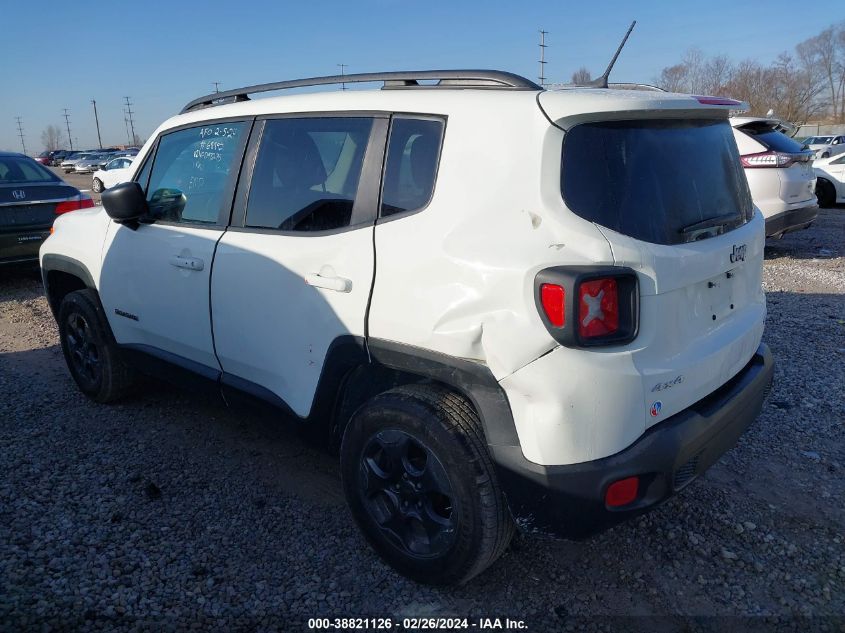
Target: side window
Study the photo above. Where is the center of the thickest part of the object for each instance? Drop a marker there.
(413, 153)
(190, 172)
(306, 173)
(143, 176)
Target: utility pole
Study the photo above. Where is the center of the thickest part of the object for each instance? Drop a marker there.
(343, 67)
(97, 121)
(131, 122)
(20, 133)
(126, 123)
(216, 86)
(67, 122)
(543, 62)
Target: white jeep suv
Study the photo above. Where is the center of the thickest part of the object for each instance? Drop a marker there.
(507, 307)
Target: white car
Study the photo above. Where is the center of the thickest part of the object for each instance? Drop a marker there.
(546, 314)
(830, 180)
(779, 172)
(826, 146)
(114, 172)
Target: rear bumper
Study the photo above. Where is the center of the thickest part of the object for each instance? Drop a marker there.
(21, 246)
(568, 500)
(791, 220)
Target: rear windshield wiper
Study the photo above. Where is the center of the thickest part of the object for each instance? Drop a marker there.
(719, 220)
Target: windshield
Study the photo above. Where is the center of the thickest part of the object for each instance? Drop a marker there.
(654, 179)
(819, 140)
(19, 169)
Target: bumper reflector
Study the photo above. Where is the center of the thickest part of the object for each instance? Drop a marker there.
(621, 493)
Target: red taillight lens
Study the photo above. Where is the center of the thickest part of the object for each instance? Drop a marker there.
(598, 312)
(621, 493)
(767, 159)
(553, 298)
(83, 202)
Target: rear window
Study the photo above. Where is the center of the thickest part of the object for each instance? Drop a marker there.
(655, 180)
(775, 141)
(19, 169)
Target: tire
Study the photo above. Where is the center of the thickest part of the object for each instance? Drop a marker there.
(826, 193)
(421, 486)
(90, 351)
(97, 185)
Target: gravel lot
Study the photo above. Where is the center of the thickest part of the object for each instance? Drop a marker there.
(167, 511)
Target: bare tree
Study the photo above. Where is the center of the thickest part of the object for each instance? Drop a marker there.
(581, 76)
(52, 138)
(825, 54)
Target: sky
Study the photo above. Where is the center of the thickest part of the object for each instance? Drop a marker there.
(162, 54)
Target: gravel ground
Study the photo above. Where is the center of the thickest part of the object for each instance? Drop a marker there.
(170, 512)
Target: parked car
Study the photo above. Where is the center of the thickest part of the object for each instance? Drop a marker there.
(44, 158)
(546, 315)
(57, 158)
(112, 173)
(830, 180)
(92, 163)
(826, 146)
(779, 172)
(70, 161)
(31, 197)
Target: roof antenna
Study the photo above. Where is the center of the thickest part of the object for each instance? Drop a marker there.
(601, 82)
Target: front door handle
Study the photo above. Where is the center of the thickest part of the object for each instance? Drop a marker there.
(190, 263)
(338, 284)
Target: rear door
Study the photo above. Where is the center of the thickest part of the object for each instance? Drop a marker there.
(294, 272)
(671, 199)
(155, 277)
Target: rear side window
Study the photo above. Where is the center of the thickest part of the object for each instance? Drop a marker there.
(412, 156)
(306, 173)
(191, 170)
(775, 141)
(654, 180)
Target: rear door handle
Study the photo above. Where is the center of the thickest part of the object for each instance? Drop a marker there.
(190, 263)
(338, 284)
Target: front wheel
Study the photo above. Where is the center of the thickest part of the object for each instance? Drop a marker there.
(421, 485)
(90, 351)
(97, 185)
(825, 193)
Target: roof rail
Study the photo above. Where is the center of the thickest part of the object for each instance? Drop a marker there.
(400, 79)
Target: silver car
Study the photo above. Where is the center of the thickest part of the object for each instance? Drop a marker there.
(69, 163)
(92, 163)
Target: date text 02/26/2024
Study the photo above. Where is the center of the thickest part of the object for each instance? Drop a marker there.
(416, 624)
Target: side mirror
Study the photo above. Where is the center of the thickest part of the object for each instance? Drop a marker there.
(125, 203)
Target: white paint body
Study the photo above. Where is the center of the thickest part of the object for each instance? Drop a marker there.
(115, 172)
(455, 278)
(833, 170)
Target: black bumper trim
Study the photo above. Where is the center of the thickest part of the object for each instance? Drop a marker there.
(568, 500)
(791, 220)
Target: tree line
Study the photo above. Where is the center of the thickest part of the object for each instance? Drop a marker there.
(807, 85)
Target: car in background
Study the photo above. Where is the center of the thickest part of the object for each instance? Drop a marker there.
(44, 158)
(826, 146)
(830, 180)
(70, 161)
(31, 197)
(114, 172)
(780, 174)
(91, 163)
(58, 156)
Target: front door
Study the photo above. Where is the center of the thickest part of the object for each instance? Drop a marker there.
(155, 277)
(294, 273)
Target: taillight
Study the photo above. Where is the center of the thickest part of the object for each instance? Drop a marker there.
(553, 300)
(598, 308)
(767, 159)
(621, 493)
(82, 202)
(587, 306)
(721, 101)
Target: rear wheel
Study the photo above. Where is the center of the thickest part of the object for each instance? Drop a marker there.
(826, 193)
(97, 185)
(421, 485)
(90, 351)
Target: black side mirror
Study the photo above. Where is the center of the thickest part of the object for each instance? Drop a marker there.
(125, 203)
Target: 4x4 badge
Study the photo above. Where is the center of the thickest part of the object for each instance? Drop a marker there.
(738, 254)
